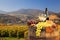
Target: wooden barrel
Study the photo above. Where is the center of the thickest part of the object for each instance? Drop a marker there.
(52, 36)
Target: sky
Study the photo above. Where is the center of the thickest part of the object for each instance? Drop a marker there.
(13, 5)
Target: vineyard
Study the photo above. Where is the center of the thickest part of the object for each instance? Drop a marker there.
(13, 30)
(16, 31)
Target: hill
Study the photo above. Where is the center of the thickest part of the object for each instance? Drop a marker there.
(2, 12)
(23, 15)
(30, 13)
(8, 19)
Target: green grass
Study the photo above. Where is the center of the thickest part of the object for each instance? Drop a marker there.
(11, 38)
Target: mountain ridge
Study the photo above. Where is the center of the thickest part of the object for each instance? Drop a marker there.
(24, 15)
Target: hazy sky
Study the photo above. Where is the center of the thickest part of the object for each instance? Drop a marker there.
(12, 5)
